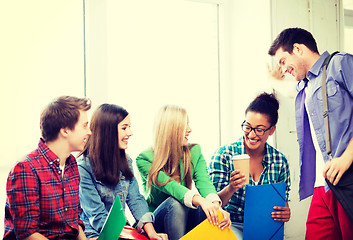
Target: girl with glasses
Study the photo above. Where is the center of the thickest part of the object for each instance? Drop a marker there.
(267, 165)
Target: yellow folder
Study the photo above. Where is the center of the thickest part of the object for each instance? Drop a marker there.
(208, 231)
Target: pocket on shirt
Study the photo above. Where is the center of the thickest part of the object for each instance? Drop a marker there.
(333, 95)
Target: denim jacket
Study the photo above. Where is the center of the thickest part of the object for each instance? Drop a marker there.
(97, 198)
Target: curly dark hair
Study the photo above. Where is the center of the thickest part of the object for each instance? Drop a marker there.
(265, 103)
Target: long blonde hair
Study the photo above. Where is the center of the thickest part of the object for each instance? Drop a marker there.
(169, 132)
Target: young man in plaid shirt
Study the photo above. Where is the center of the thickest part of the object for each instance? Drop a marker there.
(42, 190)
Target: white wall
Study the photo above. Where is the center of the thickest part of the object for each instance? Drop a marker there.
(250, 37)
(159, 57)
(41, 57)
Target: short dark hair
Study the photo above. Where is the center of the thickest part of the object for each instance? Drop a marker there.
(288, 37)
(61, 113)
(102, 147)
(267, 104)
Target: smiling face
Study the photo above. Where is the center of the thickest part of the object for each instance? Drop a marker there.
(187, 132)
(78, 136)
(252, 141)
(292, 63)
(124, 132)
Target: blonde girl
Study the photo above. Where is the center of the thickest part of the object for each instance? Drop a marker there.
(169, 169)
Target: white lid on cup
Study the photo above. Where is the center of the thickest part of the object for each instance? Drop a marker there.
(241, 157)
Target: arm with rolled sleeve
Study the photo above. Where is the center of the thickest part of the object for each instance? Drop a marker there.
(342, 72)
(347, 76)
(138, 205)
(174, 188)
(219, 170)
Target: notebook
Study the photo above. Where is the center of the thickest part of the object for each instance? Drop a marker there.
(207, 231)
(114, 223)
(259, 203)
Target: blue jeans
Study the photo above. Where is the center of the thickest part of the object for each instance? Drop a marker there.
(176, 219)
(237, 229)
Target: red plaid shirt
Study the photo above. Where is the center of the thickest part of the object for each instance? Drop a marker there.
(40, 200)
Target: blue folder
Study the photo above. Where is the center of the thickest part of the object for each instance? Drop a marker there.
(259, 203)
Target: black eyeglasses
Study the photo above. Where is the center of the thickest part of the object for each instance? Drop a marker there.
(258, 131)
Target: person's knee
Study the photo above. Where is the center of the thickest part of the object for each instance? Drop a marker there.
(173, 216)
(171, 209)
(176, 209)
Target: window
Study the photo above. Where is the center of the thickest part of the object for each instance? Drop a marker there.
(156, 52)
(143, 54)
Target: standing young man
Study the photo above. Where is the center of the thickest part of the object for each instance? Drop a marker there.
(297, 54)
(42, 190)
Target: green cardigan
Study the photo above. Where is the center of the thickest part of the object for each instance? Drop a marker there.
(173, 188)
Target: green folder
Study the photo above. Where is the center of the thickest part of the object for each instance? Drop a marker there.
(114, 223)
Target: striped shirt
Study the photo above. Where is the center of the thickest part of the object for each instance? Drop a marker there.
(275, 170)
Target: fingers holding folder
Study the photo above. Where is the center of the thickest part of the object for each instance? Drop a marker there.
(225, 221)
(281, 213)
(211, 210)
(207, 231)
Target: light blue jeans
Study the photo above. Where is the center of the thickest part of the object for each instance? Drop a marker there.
(176, 219)
(237, 229)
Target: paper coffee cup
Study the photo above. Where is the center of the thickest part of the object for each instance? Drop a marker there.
(241, 162)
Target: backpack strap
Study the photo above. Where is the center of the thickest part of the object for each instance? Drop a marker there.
(324, 99)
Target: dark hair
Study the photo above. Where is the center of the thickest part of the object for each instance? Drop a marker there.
(288, 37)
(61, 113)
(107, 159)
(265, 103)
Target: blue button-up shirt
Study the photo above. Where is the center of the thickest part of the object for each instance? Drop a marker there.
(97, 198)
(340, 110)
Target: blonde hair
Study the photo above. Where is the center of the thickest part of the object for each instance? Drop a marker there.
(169, 132)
